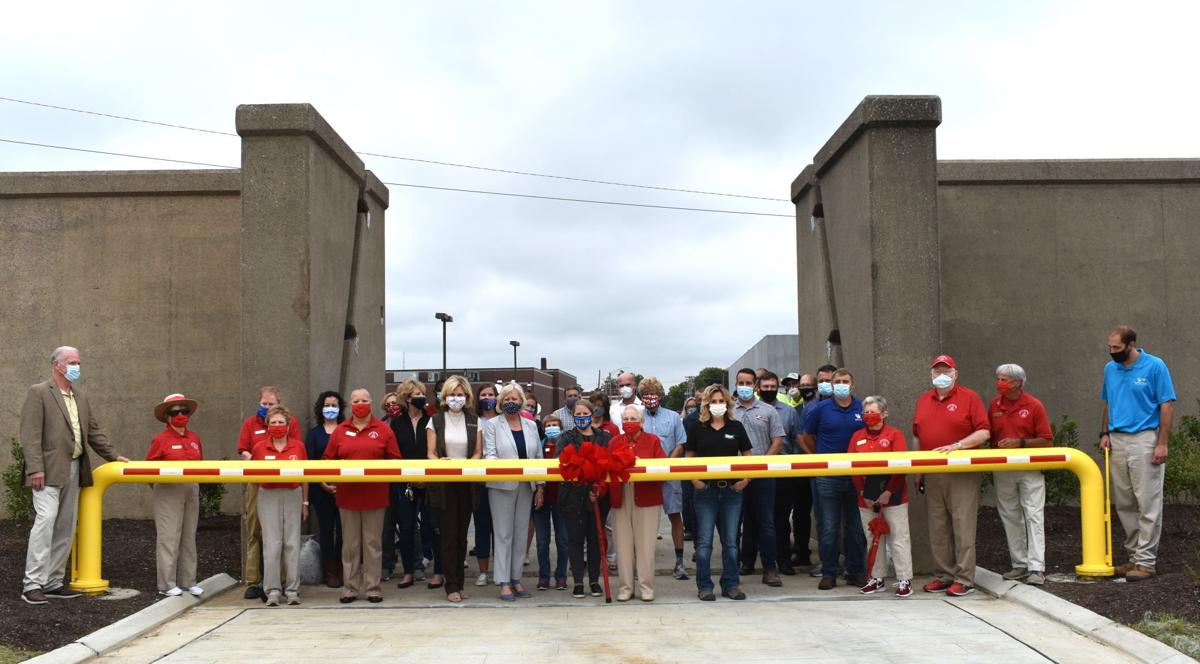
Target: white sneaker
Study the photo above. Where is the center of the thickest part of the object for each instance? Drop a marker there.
(196, 590)
(481, 580)
(173, 591)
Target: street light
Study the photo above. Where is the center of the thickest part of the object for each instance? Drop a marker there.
(514, 344)
(445, 318)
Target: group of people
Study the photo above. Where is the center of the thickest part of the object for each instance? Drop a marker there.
(363, 526)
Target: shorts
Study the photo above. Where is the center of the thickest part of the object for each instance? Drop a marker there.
(672, 497)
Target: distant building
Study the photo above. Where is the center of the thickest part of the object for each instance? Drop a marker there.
(546, 384)
(777, 352)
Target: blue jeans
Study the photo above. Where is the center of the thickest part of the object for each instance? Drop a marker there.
(836, 506)
(483, 524)
(758, 524)
(719, 507)
(543, 518)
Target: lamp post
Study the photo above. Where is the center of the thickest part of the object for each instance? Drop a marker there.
(445, 318)
(514, 344)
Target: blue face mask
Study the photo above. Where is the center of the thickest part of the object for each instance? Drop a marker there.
(331, 412)
(511, 408)
(553, 432)
(488, 403)
(942, 381)
(745, 392)
(841, 391)
(825, 389)
(72, 372)
(583, 421)
(262, 412)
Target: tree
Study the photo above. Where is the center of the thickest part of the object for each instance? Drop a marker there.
(711, 376)
(677, 395)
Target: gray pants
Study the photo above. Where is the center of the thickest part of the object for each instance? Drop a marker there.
(176, 512)
(510, 526)
(279, 514)
(56, 508)
(1137, 491)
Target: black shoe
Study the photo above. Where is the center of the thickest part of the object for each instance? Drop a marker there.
(254, 592)
(857, 580)
(577, 592)
(786, 569)
(798, 560)
(706, 595)
(827, 583)
(687, 536)
(346, 599)
(733, 593)
(61, 592)
(374, 599)
(746, 571)
(596, 591)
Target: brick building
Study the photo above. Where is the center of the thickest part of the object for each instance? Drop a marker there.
(547, 384)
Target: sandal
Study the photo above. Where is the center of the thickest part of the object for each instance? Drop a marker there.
(406, 582)
(520, 591)
(507, 596)
(454, 597)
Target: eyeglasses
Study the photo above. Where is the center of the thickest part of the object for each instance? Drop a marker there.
(179, 411)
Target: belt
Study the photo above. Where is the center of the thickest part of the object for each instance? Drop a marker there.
(721, 484)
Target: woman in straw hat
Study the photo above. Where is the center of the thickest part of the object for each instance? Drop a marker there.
(176, 506)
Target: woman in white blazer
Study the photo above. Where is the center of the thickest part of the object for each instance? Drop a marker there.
(510, 436)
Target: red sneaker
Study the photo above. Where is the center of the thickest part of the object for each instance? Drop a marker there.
(936, 586)
(959, 590)
(903, 589)
(873, 586)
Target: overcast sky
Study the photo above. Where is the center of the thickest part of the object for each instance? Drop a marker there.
(697, 95)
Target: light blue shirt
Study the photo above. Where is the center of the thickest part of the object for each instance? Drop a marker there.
(667, 425)
(1135, 393)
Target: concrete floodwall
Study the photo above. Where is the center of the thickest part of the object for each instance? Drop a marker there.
(209, 283)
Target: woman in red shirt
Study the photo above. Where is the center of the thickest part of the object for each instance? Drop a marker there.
(884, 495)
(176, 506)
(361, 505)
(636, 509)
(281, 508)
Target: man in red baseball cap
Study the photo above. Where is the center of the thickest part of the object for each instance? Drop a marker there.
(948, 418)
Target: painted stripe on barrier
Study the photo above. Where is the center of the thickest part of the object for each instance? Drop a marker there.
(838, 464)
(235, 472)
(655, 469)
(899, 463)
(178, 472)
(292, 472)
(715, 468)
(779, 466)
(353, 471)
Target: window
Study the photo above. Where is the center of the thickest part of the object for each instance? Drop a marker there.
(473, 376)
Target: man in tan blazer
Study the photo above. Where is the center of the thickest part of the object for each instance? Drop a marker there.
(57, 427)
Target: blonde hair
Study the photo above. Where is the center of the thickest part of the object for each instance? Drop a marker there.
(651, 385)
(280, 410)
(511, 387)
(453, 383)
(551, 418)
(406, 390)
(709, 391)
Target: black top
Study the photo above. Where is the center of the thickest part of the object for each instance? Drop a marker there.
(412, 441)
(315, 443)
(575, 438)
(705, 441)
(519, 439)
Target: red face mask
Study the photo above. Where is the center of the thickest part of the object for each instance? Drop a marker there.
(179, 421)
(1003, 386)
(277, 431)
(392, 409)
(873, 419)
(360, 410)
(632, 429)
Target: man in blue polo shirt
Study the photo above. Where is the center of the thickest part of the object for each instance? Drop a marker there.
(1139, 402)
(829, 427)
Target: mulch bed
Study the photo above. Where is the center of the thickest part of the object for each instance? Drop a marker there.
(1173, 590)
(128, 563)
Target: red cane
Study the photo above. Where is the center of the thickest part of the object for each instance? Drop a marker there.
(600, 535)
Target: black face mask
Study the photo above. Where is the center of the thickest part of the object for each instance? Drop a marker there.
(808, 393)
(768, 395)
(418, 402)
(1120, 357)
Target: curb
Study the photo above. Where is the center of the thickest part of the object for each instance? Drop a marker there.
(1086, 622)
(128, 628)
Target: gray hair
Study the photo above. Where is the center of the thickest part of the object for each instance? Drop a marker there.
(877, 400)
(58, 353)
(636, 411)
(1012, 371)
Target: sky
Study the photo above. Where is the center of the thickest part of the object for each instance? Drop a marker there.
(721, 97)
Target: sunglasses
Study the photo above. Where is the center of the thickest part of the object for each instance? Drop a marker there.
(179, 411)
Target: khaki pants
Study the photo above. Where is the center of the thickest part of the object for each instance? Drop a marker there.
(280, 516)
(636, 532)
(176, 512)
(896, 545)
(952, 500)
(55, 509)
(362, 550)
(1021, 502)
(251, 537)
(1137, 490)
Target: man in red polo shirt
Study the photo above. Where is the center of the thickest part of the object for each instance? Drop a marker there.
(1018, 421)
(948, 418)
(254, 431)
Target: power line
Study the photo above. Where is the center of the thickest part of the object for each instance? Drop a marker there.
(419, 186)
(611, 183)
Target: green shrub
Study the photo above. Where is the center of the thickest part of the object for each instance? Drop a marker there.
(18, 500)
(211, 496)
(1062, 487)
(1181, 481)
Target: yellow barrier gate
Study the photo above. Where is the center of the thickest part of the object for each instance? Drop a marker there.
(1097, 561)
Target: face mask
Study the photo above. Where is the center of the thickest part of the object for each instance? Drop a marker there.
(262, 412)
(717, 409)
(632, 429)
(769, 395)
(553, 432)
(650, 402)
(532, 410)
(1119, 358)
(583, 421)
(392, 409)
(807, 393)
(456, 403)
(825, 389)
(488, 403)
(1003, 386)
(511, 408)
(277, 430)
(361, 410)
(626, 391)
(942, 382)
(841, 391)
(691, 411)
(179, 421)
(571, 401)
(72, 372)
(793, 393)
(330, 412)
(745, 392)
(873, 419)
(417, 402)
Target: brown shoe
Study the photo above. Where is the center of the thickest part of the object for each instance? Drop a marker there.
(35, 596)
(827, 583)
(332, 574)
(771, 578)
(1122, 570)
(1139, 573)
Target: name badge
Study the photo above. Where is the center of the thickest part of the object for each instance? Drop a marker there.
(177, 447)
(260, 432)
(269, 457)
(729, 436)
(351, 434)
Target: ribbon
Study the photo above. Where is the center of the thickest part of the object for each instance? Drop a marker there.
(878, 527)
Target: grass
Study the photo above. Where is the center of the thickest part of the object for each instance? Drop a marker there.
(12, 655)
(1179, 633)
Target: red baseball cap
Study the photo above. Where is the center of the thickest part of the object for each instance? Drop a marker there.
(943, 359)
